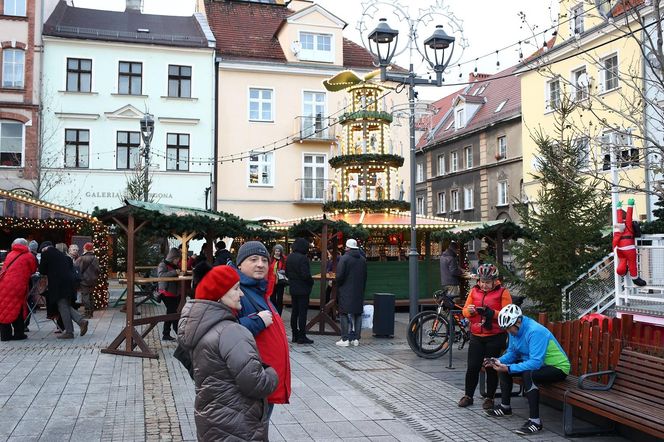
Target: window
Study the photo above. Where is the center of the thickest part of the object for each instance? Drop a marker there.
(454, 196)
(313, 184)
(316, 47)
(454, 162)
(177, 151)
(553, 94)
(420, 172)
(79, 75)
(179, 81)
(260, 104)
(13, 62)
(419, 205)
(11, 143)
(500, 106)
(460, 118)
(313, 118)
(127, 145)
(130, 78)
(468, 155)
(580, 84)
(502, 193)
(468, 202)
(583, 151)
(610, 73)
(576, 24)
(441, 165)
(261, 169)
(626, 154)
(441, 202)
(15, 7)
(77, 148)
(501, 150)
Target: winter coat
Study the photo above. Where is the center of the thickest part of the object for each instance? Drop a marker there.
(88, 266)
(297, 269)
(58, 267)
(495, 299)
(351, 281)
(449, 268)
(271, 341)
(221, 257)
(231, 383)
(164, 269)
(19, 266)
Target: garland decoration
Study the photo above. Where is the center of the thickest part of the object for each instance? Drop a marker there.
(507, 230)
(365, 115)
(308, 228)
(386, 159)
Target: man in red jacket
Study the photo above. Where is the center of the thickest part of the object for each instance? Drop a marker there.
(14, 280)
(624, 243)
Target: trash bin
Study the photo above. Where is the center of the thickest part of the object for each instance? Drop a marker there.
(383, 320)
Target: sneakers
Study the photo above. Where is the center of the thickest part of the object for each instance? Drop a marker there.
(488, 404)
(84, 327)
(499, 411)
(465, 401)
(342, 343)
(355, 342)
(529, 427)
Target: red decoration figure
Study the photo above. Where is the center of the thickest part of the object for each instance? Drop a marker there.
(624, 243)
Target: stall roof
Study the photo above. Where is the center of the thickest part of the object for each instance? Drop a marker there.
(392, 220)
(163, 209)
(467, 227)
(14, 205)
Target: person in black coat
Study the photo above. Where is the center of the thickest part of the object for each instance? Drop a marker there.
(351, 281)
(221, 256)
(58, 267)
(300, 283)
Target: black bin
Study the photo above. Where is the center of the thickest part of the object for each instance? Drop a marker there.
(383, 320)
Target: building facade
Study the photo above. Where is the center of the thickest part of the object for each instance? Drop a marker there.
(277, 123)
(20, 54)
(106, 70)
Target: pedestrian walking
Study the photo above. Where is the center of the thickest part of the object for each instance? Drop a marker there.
(351, 279)
(261, 317)
(278, 267)
(169, 290)
(88, 266)
(487, 339)
(300, 283)
(450, 272)
(58, 268)
(232, 385)
(14, 281)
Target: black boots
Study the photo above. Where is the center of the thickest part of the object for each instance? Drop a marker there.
(302, 339)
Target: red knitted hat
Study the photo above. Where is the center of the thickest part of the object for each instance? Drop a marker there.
(216, 283)
(88, 246)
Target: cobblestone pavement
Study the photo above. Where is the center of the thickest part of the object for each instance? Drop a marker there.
(52, 390)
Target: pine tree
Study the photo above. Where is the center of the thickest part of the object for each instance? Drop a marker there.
(564, 223)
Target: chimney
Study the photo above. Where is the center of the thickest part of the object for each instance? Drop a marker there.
(134, 5)
(473, 77)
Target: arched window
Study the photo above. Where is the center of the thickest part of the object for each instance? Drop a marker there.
(13, 68)
(11, 143)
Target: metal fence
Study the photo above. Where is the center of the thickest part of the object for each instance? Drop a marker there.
(592, 291)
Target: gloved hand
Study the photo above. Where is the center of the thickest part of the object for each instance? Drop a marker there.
(487, 313)
(619, 204)
(630, 202)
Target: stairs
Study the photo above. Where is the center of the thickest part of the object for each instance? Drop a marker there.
(593, 291)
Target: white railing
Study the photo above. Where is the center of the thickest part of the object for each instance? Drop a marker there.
(651, 269)
(592, 291)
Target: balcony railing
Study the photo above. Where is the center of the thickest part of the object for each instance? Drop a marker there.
(315, 128)
(313, 190)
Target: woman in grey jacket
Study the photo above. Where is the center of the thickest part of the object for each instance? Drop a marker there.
(232, 384)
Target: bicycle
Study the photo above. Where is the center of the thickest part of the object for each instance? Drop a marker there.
(428, 331)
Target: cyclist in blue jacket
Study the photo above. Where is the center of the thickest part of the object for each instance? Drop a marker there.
(535, 355)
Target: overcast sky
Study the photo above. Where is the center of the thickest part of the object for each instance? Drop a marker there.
(488, 25)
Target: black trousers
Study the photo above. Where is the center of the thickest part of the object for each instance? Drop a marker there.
(277, 297)
(171, 303)
(19, 329)
(298, 320)
(531, 379)
(483, 347)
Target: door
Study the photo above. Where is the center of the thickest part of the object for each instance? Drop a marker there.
(313, 121)
(313, 184)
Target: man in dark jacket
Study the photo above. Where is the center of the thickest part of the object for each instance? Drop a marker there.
(58, 267)
(450, 273)
(351, 281)
(221, 256)
(300, 283)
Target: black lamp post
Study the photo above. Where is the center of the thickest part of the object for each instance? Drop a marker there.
(147, 131)
(383, 44)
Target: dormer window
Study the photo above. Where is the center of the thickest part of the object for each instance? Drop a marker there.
(460, 117)
(316, 47)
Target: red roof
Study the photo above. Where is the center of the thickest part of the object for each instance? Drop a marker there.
(488, 93)
(245, 30)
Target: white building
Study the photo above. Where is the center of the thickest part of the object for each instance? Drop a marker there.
(103, 71)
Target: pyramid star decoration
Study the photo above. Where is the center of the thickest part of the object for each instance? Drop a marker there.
(347, 79)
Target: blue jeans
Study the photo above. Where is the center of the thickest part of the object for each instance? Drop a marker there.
(351, 326)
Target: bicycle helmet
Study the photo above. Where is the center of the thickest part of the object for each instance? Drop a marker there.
(509, 315)
(487, 271)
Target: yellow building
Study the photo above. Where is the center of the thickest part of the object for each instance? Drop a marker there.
(594, 62)
(276, 122)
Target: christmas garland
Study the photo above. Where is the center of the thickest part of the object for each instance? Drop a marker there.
(369, 206)
(366, 158)
(365, 115)
(508, 230)
(307, 228)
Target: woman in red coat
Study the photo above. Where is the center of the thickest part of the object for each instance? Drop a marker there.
(19, 265)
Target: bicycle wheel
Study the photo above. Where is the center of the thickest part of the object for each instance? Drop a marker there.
(428, 335)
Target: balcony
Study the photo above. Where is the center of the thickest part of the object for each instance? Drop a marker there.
(314, 128)
(313, 190)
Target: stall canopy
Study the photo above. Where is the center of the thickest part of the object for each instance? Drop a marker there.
(376, 220)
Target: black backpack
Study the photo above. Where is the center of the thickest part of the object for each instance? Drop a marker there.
(636, 228)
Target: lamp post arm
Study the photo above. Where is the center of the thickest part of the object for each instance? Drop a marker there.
(407, 79)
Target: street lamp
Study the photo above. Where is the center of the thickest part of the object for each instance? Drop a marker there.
(147, 131)
(382, 43)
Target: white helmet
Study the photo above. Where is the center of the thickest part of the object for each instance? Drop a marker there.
(509, 315)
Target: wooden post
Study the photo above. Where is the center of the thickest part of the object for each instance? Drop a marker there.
(323, 317)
